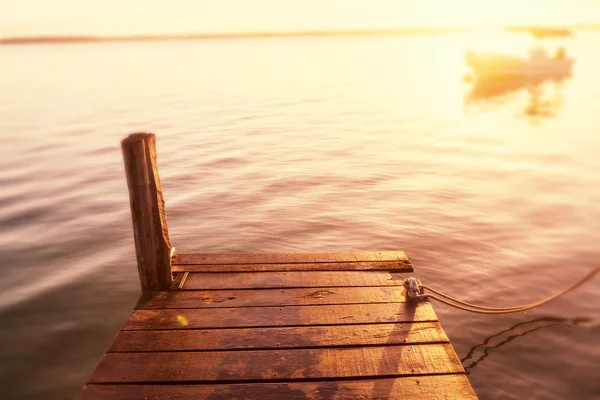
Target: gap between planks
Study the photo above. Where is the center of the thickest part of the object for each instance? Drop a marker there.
(289, 279)
(248, 317)
(275, 337)
(432, 387)
(276, 365)
(289, 258)
(272, 297)
(397, 266)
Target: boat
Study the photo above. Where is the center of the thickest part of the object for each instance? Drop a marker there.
(539, 65)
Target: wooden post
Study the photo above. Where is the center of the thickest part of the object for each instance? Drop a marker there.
(150, 230)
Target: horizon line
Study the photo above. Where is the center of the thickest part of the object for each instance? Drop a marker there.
(50, 39)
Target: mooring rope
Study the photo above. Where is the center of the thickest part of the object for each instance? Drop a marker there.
(415, 291)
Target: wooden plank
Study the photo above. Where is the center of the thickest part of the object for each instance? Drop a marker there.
(271, 297)
(150, 229)
(265, 280)
(433, 387)
(177, 280)
(397, 266)
(289, 258)
(280, 316)
(265, 338)
(273, 365)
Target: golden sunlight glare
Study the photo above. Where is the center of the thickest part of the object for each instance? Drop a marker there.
(134, 17)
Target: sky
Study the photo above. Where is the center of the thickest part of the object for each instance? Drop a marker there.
(135, 17)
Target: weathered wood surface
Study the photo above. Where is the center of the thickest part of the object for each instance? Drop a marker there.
(271, 297)
(279, 316)
(294, 279)
(148, 215)
(433, 387)
(397, 266)
(266, 338)
(289, 258)
(273, 365)
(335, 327)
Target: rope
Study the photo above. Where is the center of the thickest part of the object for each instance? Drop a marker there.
(415, 291)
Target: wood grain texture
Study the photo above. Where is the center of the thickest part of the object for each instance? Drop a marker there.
(150, 229)
(437, 387)
(271, 297)
(289, 258)
(298, 279)
(273, 365)
(279, 316)
(396, 266)
(265, 338)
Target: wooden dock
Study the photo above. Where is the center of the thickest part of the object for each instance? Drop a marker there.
(269, 326)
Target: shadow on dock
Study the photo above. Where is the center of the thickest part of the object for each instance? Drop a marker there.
(383, 388)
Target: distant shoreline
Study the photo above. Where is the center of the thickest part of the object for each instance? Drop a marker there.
(256, 35)
(217, 36)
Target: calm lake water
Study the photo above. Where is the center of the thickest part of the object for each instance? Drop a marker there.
(304, 144)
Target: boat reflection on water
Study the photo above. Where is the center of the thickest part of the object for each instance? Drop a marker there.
(544, 98)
